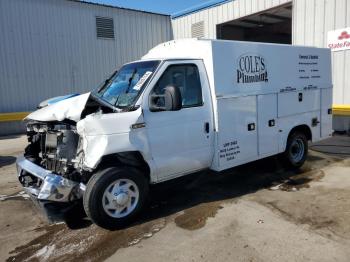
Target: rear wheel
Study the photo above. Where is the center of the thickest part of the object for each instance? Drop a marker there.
(115, 196)
(296, 150)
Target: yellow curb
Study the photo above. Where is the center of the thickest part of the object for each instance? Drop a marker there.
(15, 116)
(341, 110)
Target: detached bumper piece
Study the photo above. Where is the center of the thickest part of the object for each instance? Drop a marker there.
(42, 184)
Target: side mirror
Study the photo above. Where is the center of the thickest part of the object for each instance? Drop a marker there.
(171, 100)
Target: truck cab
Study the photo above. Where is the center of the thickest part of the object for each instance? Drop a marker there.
(186, 106)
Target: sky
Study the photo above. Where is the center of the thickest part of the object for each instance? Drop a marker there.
(158, 6)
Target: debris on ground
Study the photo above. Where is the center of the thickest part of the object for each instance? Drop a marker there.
(21, 194)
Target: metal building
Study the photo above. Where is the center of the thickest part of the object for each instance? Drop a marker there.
(319, 23)
(55, 47)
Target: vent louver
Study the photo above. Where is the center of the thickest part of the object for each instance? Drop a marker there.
(104, 27)
(197, 30)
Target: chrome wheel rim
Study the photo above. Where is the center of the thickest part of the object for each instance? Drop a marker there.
(120, 198)
(297, 150)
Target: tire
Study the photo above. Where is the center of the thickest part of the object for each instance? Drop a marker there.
(115, 196)
(296, 150)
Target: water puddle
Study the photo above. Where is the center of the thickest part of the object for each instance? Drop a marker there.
(59, 243)
(196, 217)
(299, 182)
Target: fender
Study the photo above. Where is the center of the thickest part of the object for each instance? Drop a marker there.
(106, 134)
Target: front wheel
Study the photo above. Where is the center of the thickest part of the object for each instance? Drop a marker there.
(115, 196)
(296, 150)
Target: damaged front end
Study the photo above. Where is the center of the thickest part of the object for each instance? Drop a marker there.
(69, 138)
(50, 168)
(66, 143)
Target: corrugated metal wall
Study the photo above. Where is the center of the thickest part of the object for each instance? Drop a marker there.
(220, 14)
(312, 19)
(50, 48)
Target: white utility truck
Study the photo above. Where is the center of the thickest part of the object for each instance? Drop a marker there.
(187, 105)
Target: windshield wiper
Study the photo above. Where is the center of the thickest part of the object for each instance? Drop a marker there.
(128, 88)
(130, 80)
(104, 103)
(107, 81)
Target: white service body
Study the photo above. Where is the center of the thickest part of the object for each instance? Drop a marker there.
(280, 74)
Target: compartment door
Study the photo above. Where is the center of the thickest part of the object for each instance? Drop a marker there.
(297, 102)
(237, 134)
(267, 125)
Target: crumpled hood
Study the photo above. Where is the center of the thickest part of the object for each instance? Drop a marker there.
(101, 134)
(70, 108)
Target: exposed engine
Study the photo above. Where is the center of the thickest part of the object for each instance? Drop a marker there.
(54, 146)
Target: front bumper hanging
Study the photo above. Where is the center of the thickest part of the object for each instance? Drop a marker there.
(52, 187)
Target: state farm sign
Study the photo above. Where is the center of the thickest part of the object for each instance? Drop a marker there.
(339, 39)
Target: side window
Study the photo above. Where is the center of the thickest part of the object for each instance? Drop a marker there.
(186, 78)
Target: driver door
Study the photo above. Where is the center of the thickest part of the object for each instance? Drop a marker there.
(181, 141)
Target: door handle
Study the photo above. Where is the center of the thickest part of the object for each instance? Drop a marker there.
(206, 127)
(300, 97)
(251, 127)
(315, 122)
(272, 122)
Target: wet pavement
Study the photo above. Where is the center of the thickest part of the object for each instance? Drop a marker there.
(315, 196)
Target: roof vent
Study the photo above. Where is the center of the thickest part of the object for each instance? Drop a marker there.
(104, 27)
(197, 29)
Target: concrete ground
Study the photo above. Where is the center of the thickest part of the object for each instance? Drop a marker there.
(256, 212)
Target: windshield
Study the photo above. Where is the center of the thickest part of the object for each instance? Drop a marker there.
(124, 87)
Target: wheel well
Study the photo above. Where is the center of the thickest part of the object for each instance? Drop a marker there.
(303, 129)
(131, 158)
